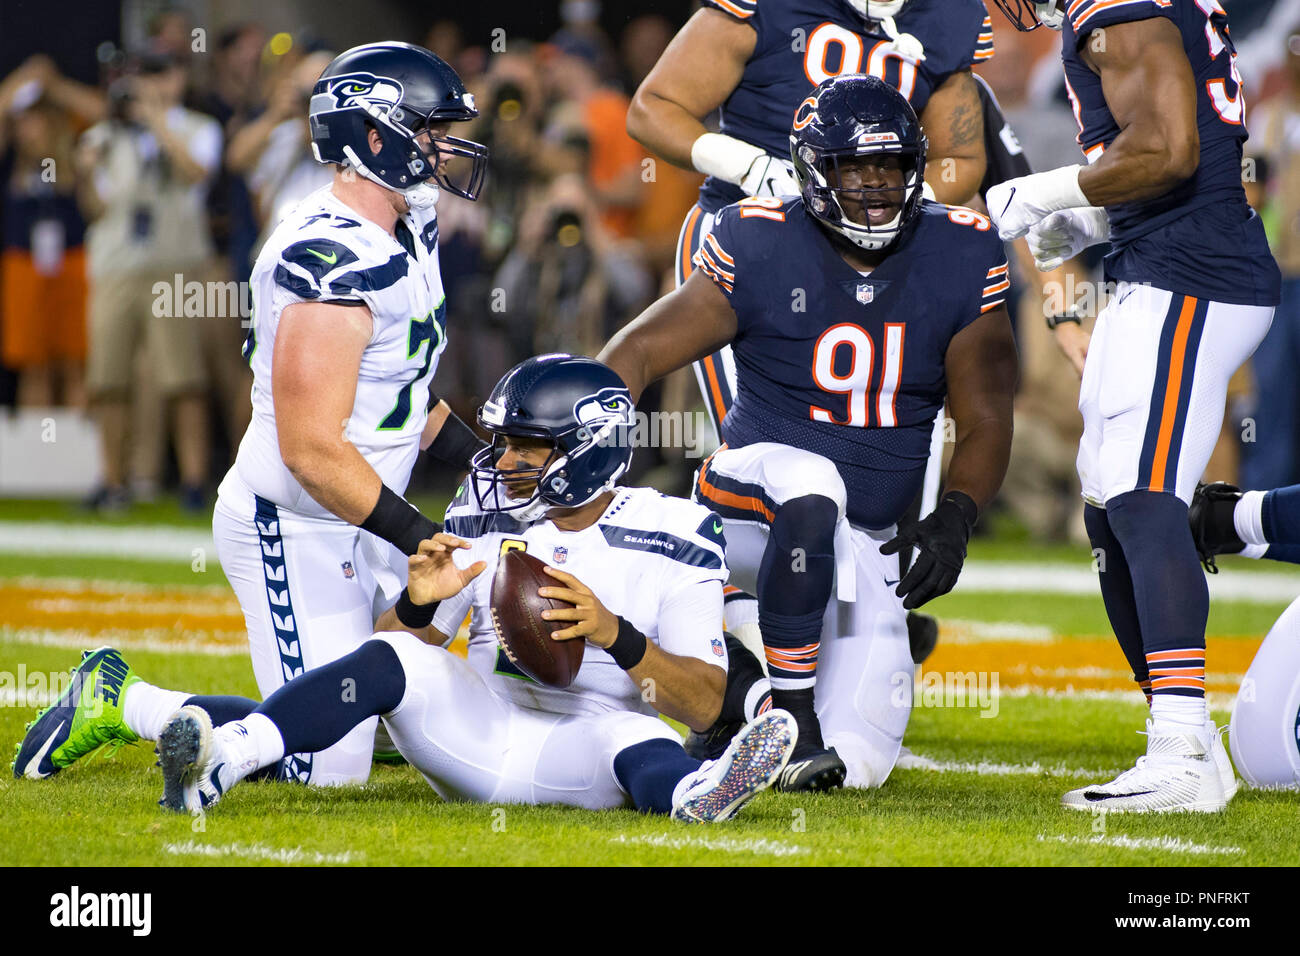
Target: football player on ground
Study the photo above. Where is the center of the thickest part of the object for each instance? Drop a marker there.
(1264, 733)
(853, 310)
(757, 60)
(349, 321)
(1158, 96)
(644, 572)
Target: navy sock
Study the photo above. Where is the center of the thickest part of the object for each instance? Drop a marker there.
(223, 708)
(650, 772)
(1173, 601)
(795, 581)
(1117, 592)
(1290, 553)
(1281, 514)
(317, 709)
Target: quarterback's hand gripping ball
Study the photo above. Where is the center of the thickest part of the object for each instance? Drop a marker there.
(521, 630)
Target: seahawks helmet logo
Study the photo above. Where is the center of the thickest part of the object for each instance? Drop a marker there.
(364, 90)
(609, 406)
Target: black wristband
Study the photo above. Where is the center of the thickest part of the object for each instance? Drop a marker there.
(412, 614)
(455, 444)
(397, 521)
(629, 647)
(1060, 318)
(965, 504)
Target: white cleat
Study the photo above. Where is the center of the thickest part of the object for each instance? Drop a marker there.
(749, 765)
(1227, 775)
(197, 763)
(1178, 773)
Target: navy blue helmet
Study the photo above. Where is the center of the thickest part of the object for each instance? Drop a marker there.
(1030, 14)
(399, 90)
(579, 405)
(846, 117)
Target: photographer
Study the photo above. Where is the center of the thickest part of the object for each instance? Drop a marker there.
(567, 285)
(142, 181)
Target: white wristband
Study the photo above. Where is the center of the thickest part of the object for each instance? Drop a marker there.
(1061, 188)
(724, 157)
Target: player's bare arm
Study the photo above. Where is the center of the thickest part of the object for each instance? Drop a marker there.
(431, 577)
(687, 324)
(981, 368)
(953, 120)
(685, 689)
(318, 349)
(694, 76)
(1151, 93)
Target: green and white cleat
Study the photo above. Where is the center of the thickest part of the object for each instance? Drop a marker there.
(87, 716)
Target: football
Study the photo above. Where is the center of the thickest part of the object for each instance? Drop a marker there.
(522, 632)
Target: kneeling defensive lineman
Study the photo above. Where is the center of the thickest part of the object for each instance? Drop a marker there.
(1157, 93)
(852, 310)
(481, 730)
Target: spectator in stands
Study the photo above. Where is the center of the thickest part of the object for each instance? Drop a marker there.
(42, 266)
(143, 175)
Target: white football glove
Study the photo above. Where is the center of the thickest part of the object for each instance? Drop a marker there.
(1018, 204)
(769, 176)
(1063, 235)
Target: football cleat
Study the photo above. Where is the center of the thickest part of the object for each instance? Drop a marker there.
(198, 765)
(812, 770)
(922, 635)
(85, 717)
(1178, 773)
(755, 758)
(712, 743)
(1227, 776)
(1211, 518)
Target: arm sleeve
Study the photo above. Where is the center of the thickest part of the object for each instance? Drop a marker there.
(743, 10)
(983, 50)
(716, 254)
(690, 623)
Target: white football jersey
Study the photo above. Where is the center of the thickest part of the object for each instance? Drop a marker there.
(642, 559)
(324, 251)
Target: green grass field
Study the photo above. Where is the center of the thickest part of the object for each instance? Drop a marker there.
(991, 800)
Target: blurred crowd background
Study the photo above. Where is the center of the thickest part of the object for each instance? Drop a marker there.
(153, 143)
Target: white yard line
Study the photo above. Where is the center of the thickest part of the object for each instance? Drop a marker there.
(1165, 844)
(988, 768)
(151, 639)
(760, 846)
(259, 851)
(181, 544)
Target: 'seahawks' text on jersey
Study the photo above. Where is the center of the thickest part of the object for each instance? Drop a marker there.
(656, 561)
(324, 251)
(803, 42)
(846, 365)
(1200, 238)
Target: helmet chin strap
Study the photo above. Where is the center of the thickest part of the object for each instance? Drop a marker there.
(420, 196)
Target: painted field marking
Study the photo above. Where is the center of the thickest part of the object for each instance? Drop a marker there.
(1165, 844)
(761, 846)
(259, 851)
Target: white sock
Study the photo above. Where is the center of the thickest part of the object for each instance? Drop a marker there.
(1175, 714)
(145, 708)
(256, 741)
(1248, 518)
(739, 611)
(761, 691)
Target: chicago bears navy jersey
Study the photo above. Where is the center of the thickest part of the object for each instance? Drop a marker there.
(803, 42)
(1200, 238)
(847, 365)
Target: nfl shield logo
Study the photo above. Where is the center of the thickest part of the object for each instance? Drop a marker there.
(717, 647)
(866, 292)
(347, 570)
(560, 555)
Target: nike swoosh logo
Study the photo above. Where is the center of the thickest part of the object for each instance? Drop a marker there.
(1126, 295)
(890, 584)
(1115, 796)
(332, 258)
(1008, 205)
(29, 771)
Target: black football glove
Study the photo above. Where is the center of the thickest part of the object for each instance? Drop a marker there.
(940, 538)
